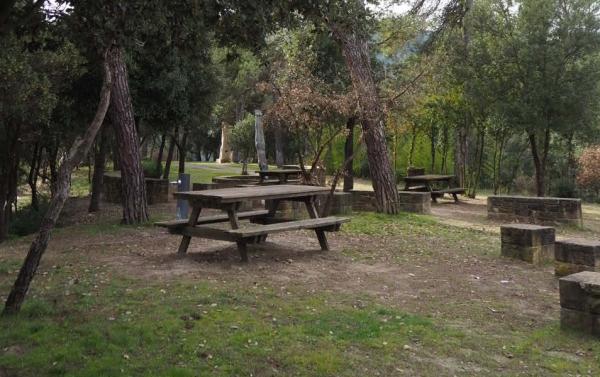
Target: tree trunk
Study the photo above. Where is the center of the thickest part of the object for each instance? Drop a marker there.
(161, 150)
(99, 169)
(135, 207)
(33, 175)
(539, 161)
(433, 146)
(78, 151)
(9, 170)
(170, 153)
(279, 154)
(461, 151)
(355, 49)
(182, 147)
(259, 141)
(348, 155)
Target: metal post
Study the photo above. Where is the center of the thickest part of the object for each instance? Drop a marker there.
(183, 184)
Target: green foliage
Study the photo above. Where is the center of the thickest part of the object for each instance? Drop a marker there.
(152, 169)
(242, 137)
(27, 220)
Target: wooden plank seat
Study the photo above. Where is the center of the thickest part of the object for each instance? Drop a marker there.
(220, 218)
(255, 233)
(452, 191)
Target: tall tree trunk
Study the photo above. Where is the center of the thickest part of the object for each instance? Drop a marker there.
(348, 155)
(539, 160)
(161, 150)
(78, 151)
(33, 175)
(279, 142)
(99, 169)
(170, 153)
(259, 141)
(461, 151)
(182, 147)
(135, 206)
(9, 170)
(355, 49)
(433, 146)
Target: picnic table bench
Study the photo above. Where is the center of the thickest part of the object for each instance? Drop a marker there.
(262, 222)
(426, 182)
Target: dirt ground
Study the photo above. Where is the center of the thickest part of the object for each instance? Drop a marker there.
(419, 273)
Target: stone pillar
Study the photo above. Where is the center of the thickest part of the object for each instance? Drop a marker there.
(225, 152)
(530, 243)
(580, 302)
(576, 255)
(259, 141)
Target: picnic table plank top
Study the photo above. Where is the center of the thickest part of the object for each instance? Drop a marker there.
(428, 177)
(239, 194)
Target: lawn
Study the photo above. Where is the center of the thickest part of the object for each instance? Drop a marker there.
(403, 295)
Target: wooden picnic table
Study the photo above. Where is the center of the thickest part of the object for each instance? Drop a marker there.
(426, 182)
(281, 174)
(263, 222)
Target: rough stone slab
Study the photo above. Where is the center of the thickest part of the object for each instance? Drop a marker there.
(581, 291)
(580, 321)
(563, 269)
(537, 255)
(578, 251)
(527, 234)
(535, 210)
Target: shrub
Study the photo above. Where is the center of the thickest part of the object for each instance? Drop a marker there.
(588, 176)
(152, 169)
(564, 188)
(27, 220)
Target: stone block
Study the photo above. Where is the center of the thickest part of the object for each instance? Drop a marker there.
(580, 321)
(581, 292)
(206, 186)
(535, 210)
(578, 251)
(414, 201)
(527, 235)
(532, 254)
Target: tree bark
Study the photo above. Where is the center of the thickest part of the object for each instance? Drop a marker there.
(259, 141)
(76, 154)
(99, 169)
(539, 161)
(348, 155)
(135, 207)
(170, 153)
(9, 170)
(279, 142)
(182, 147)
(355, 49)
(161, 150)
(33, 175)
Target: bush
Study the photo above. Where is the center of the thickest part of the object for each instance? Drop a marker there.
(564, 188)
(152, 169)
(524, 185)
(588, 176)
(27, 220)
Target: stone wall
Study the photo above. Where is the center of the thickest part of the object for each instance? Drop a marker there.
(157, 190)
(530, 243)
(576, 255)
(534, 210)
(580, 302)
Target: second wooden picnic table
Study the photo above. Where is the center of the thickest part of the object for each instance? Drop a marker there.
(426, 182)
(264, 221)
(282, 175)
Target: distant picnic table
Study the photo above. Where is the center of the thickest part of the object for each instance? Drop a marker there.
(427, 182)
(262, 222)
(282, 175)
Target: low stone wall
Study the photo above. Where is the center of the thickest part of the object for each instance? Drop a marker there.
(530, 243)
(576, 255)
(534, 210)
(580, 302)
(363, 200)
(157, 190)
(414, 201)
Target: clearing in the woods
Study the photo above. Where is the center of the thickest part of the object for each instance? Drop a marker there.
(403, 295)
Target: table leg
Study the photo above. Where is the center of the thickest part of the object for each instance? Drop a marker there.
(235, 224)
(312, 212)
(185, 241)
